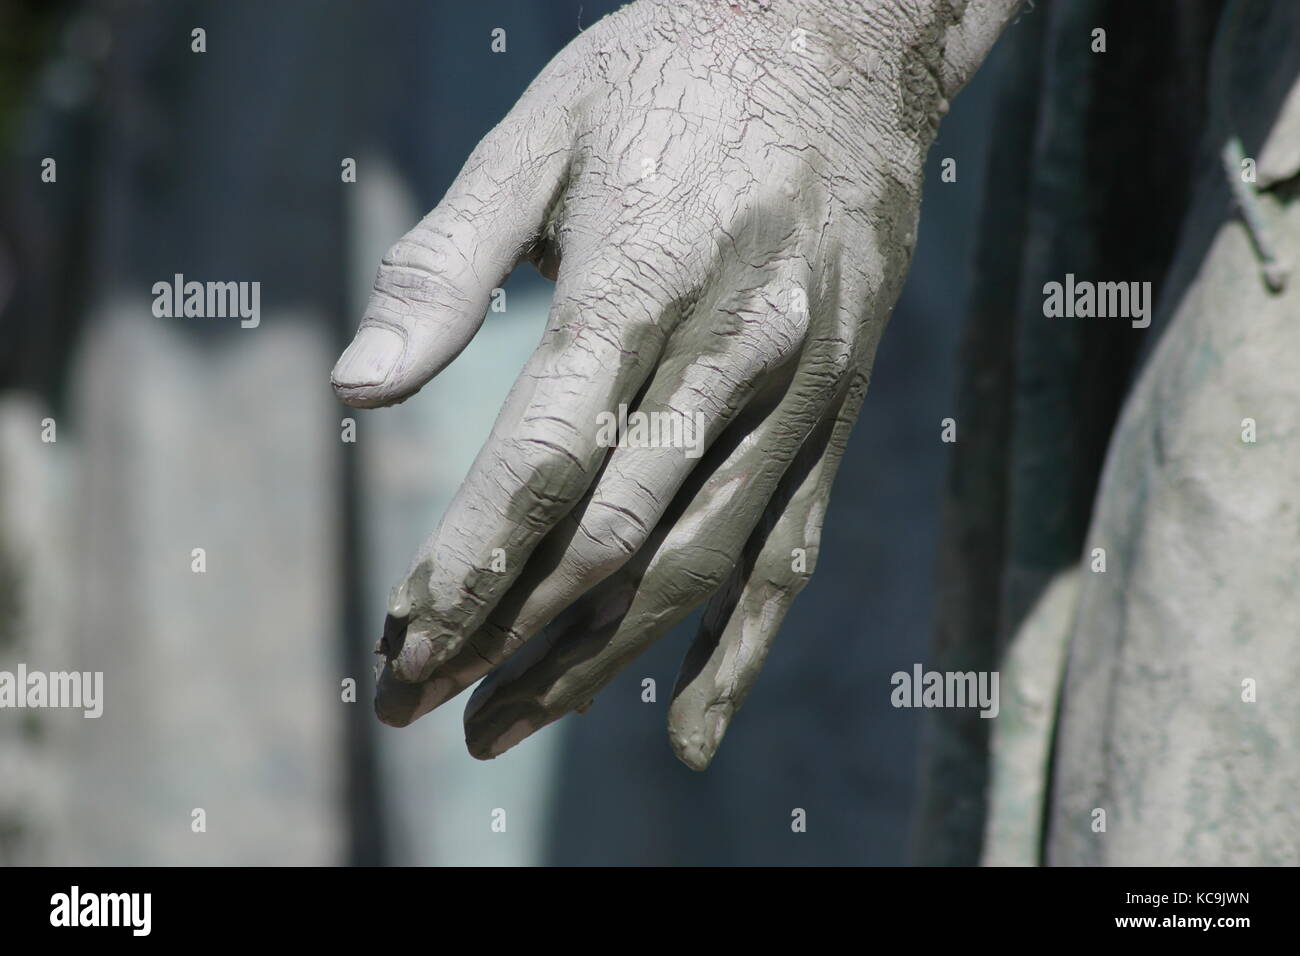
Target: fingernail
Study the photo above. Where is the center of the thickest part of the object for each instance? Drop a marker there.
(410, 660)
(416, 660)
(370, 359)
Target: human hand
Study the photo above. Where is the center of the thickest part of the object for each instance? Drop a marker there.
(726, 195)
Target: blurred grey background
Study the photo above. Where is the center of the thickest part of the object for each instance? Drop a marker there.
(223, 689)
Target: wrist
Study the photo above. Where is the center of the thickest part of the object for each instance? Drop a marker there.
(923, 50)
(881, 59)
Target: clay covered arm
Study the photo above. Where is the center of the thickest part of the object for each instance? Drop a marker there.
(726, 194)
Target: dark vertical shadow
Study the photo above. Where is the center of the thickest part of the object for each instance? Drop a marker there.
(1091, 176)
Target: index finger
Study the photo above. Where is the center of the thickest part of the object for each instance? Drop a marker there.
(602, 340)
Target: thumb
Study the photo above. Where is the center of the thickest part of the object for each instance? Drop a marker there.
(434, 285)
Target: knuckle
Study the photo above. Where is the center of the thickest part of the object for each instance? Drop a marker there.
(697, 568)
(612, 533)
(418, 279)
(548, 479)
